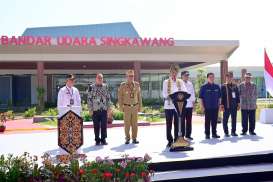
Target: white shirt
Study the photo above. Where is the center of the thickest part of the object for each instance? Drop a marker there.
(190, 90)
(67, 93)
(174, 88)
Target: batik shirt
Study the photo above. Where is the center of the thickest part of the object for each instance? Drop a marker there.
(98, 97)
(248, 96)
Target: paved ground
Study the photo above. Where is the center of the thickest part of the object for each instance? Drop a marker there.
(21, 125)
(152, 141)
(27, 125)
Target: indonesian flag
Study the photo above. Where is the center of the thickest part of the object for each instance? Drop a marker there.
(268, 74)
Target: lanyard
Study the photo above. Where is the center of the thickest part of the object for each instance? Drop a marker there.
(70, 93)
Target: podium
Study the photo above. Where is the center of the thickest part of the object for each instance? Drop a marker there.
(179, 100)
(64, 109)
(70, 128)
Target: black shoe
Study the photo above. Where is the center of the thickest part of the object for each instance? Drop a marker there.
(135, 141)
(252, 133)
(215, 136)
(243, 133)
(207, 137)
(227, 135)
(127, 142)
(234, 134)
(103, 142)
(189, 138)
(169, 144)
(97, 143)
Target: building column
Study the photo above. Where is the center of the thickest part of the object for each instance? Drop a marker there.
(223, 70)
(40, 74)
(49, 88)
(137, 68)
(40, 84)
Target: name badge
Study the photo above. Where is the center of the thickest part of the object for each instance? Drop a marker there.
(233, 95)
(71, 101)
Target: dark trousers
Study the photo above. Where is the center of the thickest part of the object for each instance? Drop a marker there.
(186, 123)
(211, 116)
(171, 117)
(248, 118)
(100, 124)
(226, 114)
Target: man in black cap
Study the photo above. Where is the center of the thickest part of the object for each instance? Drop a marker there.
(69, 95)
(230, 103)
(187, 118)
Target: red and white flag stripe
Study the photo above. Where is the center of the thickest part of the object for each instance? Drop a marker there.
(268, 74)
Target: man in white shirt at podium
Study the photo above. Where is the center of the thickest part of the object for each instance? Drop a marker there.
(69, 97)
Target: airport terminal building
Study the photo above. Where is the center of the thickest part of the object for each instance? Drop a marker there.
(84, 50)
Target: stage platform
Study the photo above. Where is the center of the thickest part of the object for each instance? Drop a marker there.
(216, 155)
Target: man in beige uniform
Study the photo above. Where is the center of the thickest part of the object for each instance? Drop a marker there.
(130, 102)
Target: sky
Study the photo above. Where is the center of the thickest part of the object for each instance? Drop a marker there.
(249, 21)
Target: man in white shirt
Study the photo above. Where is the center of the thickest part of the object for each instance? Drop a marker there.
(189, 107)
(68, 98)
(69, 95)
(171, 85)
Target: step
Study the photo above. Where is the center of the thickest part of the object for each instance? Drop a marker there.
(255, 172)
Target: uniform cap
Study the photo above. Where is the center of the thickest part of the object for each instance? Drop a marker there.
(70, 77)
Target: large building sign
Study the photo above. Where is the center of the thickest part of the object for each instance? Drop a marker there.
(86, 41)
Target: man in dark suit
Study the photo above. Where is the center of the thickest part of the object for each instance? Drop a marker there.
(230, 103)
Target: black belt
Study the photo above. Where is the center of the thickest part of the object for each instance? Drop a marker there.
(131, 105)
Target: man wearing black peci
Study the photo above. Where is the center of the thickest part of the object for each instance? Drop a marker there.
(230, 104)
(170, 86)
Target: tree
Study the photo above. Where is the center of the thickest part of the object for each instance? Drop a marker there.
(40, 98)
(200, 80)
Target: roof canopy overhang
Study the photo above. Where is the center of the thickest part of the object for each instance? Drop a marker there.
(196, 52)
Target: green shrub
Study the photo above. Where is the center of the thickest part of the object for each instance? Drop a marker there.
(51, 112)
(10, 114)
(117, 115)
(269, 106)
(30, 112)
(154, 118)
(198, 109)
(161, 109)
(85, 107)
(86, 116)
(73, 168)
(150, 110)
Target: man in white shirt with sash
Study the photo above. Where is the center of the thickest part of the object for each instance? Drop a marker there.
(171, 85)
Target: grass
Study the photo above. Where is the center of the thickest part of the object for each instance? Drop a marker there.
(151, 118)
(49, 122)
